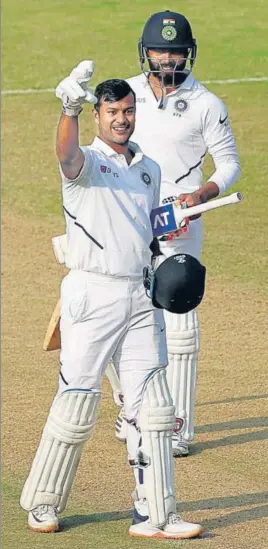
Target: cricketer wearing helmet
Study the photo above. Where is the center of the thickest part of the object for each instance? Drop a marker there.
(109, 189)
(179, 121)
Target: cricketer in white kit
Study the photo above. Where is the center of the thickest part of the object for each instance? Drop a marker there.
(109, 190)
(179, 121)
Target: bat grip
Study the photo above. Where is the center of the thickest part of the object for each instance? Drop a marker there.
(181, 214)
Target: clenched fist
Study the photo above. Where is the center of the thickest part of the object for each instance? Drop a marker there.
(74, 91)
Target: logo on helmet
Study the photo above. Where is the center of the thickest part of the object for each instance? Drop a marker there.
(169, 33)
(180, 258)
(169, 21)
(181, 105)
(146, 178)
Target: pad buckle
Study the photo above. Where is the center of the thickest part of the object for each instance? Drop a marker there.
(142, 461)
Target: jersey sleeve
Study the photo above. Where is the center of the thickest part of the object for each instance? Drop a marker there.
(83, 179)
(220, 143)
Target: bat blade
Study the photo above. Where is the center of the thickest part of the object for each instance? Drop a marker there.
(52, 340)
(111, 373)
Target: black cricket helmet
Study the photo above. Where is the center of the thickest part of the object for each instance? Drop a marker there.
(177, 284)
(168, 30)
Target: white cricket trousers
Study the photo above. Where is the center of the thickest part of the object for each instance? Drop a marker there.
(106, 318)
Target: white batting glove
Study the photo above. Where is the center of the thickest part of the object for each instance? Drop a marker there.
(74, 91)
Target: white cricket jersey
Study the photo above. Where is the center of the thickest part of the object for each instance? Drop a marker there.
(107, 211)
(192, 122)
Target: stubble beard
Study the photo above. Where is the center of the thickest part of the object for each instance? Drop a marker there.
(173, 79)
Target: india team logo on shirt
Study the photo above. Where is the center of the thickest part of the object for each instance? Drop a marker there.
(181, 105)
(146, 178)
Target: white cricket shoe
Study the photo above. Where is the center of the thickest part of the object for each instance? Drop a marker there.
(121, 427)
(43, 518)
(180, 446)
(175, 528)
(141, 511)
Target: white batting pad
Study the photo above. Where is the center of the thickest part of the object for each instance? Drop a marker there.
(70, 423)
(156, 422)
(182, 333)
(183, 347)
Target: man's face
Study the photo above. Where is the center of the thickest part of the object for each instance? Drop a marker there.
(167, 65)
(116, 120)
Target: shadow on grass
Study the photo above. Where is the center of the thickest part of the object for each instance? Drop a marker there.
(230, 400)
(225, 502)
(238, 517)
(67, 523)
(256, 513)
(199, 447)
(246, 423)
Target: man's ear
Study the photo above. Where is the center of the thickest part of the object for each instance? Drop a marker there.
(96, 116)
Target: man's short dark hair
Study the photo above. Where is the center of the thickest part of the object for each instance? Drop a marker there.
(111, 91)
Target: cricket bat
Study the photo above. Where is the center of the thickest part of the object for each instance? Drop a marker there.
(52, 338)
(167, 218)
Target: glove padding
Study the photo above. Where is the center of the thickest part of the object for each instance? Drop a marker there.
(74, 91)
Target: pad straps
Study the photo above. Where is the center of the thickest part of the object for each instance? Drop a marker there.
(156, 423)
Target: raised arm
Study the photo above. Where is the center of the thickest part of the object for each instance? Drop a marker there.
(73, 92)
(70, 156)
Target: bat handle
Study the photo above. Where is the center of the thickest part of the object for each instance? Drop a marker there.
(239, 197)
(181, 214)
